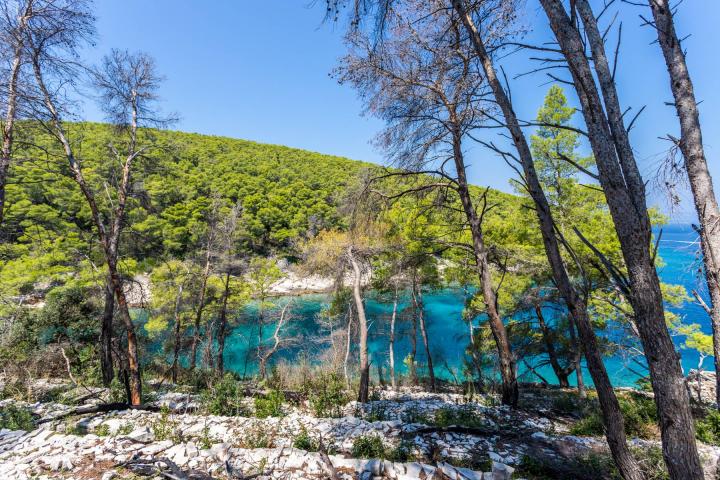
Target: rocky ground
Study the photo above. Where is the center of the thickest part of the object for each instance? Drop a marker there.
(420, 435)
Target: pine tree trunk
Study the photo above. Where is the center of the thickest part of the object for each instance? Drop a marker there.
(199, 312)
(577, 358)
(391, 341)
(417, 299)
(612, 417)
(625, 195)
(106, 334)
(364, 390)
(560, 372)
(223, 327)
(177, 336)
(134, 376)
(691, 146)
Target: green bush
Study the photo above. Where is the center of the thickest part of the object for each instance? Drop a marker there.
(224, 398)
(368, 446)
(462, 416)
(102, 430)
(270, 405)
(376, 413)
(651, 463)
(257, 437)
(16, 418)
(707, 429)
(165, 428)
(326, 395)
(401, 453)
(303, 441)
(640, 416)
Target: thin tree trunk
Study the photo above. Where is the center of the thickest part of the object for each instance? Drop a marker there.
(391, 341)
(11, 106)
(106, 334)
(276, 342)
(625, 195)
(560, 372)
(691, 146)
(223, 327)
(134, 377)
(198, 314)
(507, 363)
(348, 342)
(577, 358)
(612, 417)
(417, 299)
(363, 392)
(413, 348)
(177, 339)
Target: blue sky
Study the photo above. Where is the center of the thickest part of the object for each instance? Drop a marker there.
(260, 71)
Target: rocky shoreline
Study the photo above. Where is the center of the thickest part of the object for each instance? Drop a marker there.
(493, 443)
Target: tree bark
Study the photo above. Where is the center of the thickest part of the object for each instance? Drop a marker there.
(11, 105)
(276, 342)
(691, 146)
(199, 312)
(106, 334)
(391, 341)
(612, 417)
(561, 373)
(177, 340)
(223, 326)
(577, 358)
(363, 392)
(420, 308)
(625, 195)
(348, 341)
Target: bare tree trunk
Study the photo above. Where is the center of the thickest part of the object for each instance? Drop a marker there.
(134, 378)
(207, 356)
(11, 105)
(691, 146)
(614, 423)
(391, 341)
(276, 342)
(420, 308)
(106, 334)
(348, 342)
(363, 392)
(199, 312)
(413, 348)
(560, 372)
(507, 363)
(625, 195)
(223, 326)
(577, 358)
(177, 339)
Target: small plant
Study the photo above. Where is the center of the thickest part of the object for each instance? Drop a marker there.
(270, 405)
(303, 441)
(224, 398)
(464, 416)
(639, 413)
(650, 460)
(403, 452)
(16, 418)
(165, 428)
(327, 395)
(102, 430)
(205, 440)
(368, 446)
(257, 437)
(125, 429)
(707, 429)
(413, 415)
(376, 413)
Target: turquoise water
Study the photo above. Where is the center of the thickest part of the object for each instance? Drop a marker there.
(447, 332)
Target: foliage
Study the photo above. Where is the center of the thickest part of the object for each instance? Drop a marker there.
(224, 397)
(304, 441)
(270, 405)
(707, 429)
(639, 413)
(13, 417)
(165, 428)
(464, 416)
(368, 446)
(326, 394)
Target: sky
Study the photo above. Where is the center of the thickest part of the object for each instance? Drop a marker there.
(261, 71)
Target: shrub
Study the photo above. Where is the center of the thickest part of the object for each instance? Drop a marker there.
(303, 441)
(164, 428)
(16, 418)
(270, 405)
(462, 416)
(639, 413)
(401, 453)
(376, 413)
(368, 446)
(102, 430)
(651, 463)
(224, 398)
(413, 415)
(707, 429)
(257, 437)
(125, 429)
(326, 395)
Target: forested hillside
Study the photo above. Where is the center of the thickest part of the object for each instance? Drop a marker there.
(286, 195)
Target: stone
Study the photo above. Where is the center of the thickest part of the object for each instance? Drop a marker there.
(141, 434)
(501, 471)
(109, 475)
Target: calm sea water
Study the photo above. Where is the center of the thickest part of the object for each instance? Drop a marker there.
(447, 332)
